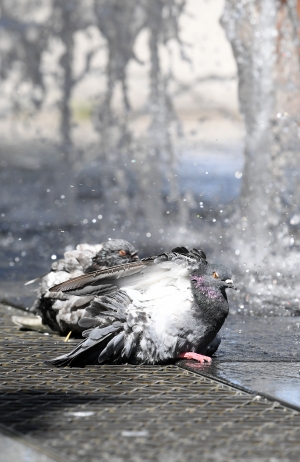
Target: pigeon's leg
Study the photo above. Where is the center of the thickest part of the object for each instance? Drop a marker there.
(190, 355)
(68, 336)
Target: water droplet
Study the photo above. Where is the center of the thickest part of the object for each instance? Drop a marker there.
(295, 220)
(134, 433)
(53, 257)
(148, 234)
(238, 174)
(80, 413)
(100, 217)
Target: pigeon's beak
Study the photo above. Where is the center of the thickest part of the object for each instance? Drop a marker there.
(134, 255)
(229, 283)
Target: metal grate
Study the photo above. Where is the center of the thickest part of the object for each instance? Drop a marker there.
(116, 413)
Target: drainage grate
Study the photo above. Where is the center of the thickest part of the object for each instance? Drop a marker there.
(133, 413)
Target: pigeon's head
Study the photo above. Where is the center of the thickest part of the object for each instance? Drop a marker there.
(118, 252)
(214, 275)
(220, 275)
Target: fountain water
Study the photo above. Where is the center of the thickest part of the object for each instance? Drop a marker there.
(264, 39)
(124, 177)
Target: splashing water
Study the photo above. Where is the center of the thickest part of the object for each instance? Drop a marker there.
(125, 178)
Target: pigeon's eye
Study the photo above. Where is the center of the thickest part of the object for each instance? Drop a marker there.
(215, 275)
(122, 253)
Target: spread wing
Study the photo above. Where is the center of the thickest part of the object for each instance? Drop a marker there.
(102, 280)
(108, 279)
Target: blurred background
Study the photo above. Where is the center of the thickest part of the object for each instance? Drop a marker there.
(165, 123)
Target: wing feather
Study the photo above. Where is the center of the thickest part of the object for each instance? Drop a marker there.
(96, 278)
(94, 282)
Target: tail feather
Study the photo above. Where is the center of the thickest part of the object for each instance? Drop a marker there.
(103, 322)
(97, 333)
(88, 351)
(114, 346)
(87, 332)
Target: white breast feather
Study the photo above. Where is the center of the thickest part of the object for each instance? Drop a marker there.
(164, 294)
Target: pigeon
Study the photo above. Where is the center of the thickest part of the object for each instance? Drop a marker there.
(61, 312)
(151, 311)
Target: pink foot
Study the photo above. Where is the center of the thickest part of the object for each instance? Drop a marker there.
(200, 358)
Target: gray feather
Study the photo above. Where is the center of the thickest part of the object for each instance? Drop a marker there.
(112, 348)
(86, 283)
(61, 311)
(174, 304)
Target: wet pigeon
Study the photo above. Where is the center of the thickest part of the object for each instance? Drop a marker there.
(151, 311)
(61, 312)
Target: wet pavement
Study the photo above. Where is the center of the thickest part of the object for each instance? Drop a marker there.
(260, 355)
(154, 413)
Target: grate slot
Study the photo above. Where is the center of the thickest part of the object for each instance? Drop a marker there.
(134, 413)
